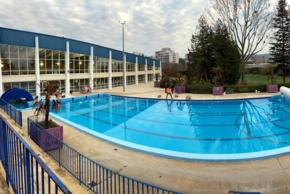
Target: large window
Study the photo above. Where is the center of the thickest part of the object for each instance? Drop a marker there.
(51, 61)
(141, 78)
(28, 86)
(150, 77)
(141, 67)
(117, 82)
(130, 80)
(117, 66)
(101, 65)
(149, 67)
(101, 83)
(17, 60)
(79, 63)
(130, 67)
(156, 68)
(76, 84)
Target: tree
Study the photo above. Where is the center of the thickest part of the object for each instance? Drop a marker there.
(280, 46)
(201, 53)
(227, 55)
(248, 21)
(259, 61)
(43, 106)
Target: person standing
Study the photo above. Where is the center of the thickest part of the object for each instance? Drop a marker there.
(168, 92)
(172, 88)
(166, 86)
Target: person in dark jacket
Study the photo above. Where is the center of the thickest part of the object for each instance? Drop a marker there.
(166, 86)
(172, 88)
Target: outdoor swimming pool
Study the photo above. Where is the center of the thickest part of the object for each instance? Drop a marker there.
(223, 130)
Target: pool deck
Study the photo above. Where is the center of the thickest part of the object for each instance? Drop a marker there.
(266, 176)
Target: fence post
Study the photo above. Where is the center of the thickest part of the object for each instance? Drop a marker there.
(59, 152)
(80, 169)
(28, 186)
(3, 126)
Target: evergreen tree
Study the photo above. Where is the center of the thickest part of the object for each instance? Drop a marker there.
(201, 53)
(280, 45)
(227, 55)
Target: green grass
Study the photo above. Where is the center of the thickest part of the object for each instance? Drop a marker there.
(256, 79)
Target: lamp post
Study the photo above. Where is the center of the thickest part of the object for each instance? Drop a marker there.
(124, 22)
(287, 8)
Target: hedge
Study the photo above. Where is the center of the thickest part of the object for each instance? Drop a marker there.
(200, 88)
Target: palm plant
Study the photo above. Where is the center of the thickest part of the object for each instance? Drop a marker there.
(43, 106)
(271, 76)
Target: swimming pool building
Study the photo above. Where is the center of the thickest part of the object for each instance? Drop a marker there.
(28, 59)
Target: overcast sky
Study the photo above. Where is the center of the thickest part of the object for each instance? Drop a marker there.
(152, 24)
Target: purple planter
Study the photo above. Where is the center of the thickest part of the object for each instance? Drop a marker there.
(218, 90)
(272, 88)
(46, 138)
(157, 84)
(179, 89)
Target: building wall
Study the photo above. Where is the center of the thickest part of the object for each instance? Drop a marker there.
(167, 55)
(31, 59)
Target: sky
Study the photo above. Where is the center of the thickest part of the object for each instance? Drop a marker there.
(152, 24)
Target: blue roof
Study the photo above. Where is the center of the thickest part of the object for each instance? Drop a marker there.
(23, 38)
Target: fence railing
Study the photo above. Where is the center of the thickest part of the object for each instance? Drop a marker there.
(97, 178)
(13, 112)
(24, 170)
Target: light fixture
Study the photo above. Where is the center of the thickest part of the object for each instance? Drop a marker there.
(80, 63)
(41, 63)
(286, 7)
(1, 65)
(57, 63)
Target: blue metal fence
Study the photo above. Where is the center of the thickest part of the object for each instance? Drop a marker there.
(10, 110)
(24, 170)
(97, 178)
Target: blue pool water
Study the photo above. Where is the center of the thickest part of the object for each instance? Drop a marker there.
(195, 127)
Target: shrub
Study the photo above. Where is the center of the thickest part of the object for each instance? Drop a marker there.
(255, 72)
(286, 85)
(249, 88)
(230, 90)
(164, 80)
(199, 88)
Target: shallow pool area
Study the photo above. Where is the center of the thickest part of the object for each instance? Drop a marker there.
(213, 130)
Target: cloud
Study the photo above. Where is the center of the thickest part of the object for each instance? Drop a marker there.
(152, 24)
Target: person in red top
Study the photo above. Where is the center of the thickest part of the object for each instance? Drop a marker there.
(168, 91)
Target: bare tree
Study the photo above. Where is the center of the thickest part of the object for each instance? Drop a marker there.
(249, 22)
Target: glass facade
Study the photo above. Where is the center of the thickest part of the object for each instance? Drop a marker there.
(117, 66)
(17, 60)
(141, 78)
(28, 86)
(141, 67)
(150, 77)
(51, 61)
(130, 67)
(117, 82)
(130, 80)
(79, 63)
(76, 84)
(101, 83)
(101, 65)
(149, 67)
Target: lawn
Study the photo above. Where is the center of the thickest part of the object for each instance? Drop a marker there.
(256, 79)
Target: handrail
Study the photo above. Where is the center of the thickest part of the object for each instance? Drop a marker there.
(93, 175)
(11, 111)
(22, 164)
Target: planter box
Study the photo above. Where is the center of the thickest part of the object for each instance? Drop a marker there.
(46, 138)
(157, 84)
(179, 89)
(272, 88)
(218, 90)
